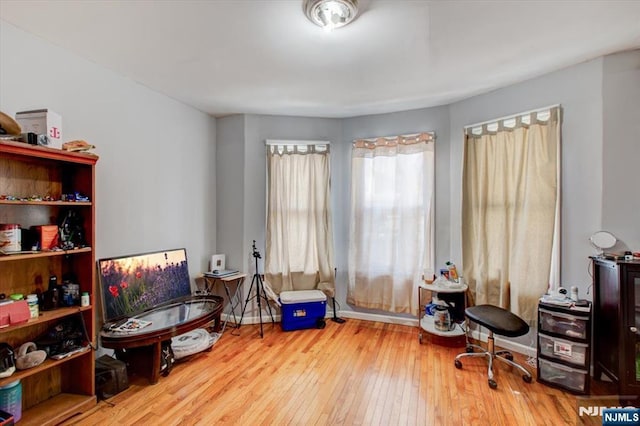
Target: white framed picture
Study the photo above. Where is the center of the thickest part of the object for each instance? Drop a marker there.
(217, 262)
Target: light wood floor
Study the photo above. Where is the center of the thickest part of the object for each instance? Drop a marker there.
(357, 373)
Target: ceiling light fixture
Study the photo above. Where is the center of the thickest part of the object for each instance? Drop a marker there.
(330, 14)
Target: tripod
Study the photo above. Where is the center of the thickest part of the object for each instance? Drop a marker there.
(257, 281)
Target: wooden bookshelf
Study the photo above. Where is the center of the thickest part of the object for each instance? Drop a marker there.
(56, 389)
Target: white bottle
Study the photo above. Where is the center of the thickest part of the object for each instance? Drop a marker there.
(574, 293)
(32, 302)
(84, 300)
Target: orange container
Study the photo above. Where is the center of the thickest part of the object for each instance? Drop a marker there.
(48, 235)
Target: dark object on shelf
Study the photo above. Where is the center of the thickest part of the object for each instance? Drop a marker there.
(75, 196)
(616, 316)
(51, 297)
(71, 230)
(7, 360)
(6, 419)
(29, 239)
(64, 337)
(111, 377)
(503, 323)
(30, 138)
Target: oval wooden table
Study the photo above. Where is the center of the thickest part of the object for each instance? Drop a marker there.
(142, 349)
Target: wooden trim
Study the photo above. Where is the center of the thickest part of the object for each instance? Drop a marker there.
(21, 148)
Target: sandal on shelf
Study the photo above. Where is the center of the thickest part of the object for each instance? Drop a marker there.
(29, 356)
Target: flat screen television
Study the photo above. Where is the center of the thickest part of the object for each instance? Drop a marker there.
(130, 285)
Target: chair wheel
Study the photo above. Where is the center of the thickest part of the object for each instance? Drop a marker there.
(526, 378)
(509, 357)
(469, 349)
(458, 364)
(493, 384)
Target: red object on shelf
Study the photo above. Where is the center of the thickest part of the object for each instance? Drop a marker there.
(14, 313)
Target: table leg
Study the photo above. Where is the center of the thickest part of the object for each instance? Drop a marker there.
(234, 301)
(233, 308)
(144, 360)
(156, 355)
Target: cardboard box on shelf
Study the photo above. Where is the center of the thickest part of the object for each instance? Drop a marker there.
(43, 122)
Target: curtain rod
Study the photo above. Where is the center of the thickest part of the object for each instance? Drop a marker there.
(294, 142)
(511, 116)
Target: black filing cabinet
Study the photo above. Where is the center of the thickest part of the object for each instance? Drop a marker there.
(616, 339)
(564, 346)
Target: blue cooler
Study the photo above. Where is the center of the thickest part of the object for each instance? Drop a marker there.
(303, 309)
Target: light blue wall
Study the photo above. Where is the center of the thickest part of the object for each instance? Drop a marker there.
(621, 153)
(155, 184)
(230, 187)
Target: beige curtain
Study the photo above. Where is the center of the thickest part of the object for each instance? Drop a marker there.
(391, 223)
(510, 210)
(299, 253)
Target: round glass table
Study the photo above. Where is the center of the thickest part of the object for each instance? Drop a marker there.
(142, 349)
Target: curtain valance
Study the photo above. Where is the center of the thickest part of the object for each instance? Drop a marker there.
(527, 119)
(300, 147)
(386, 146)
(394, 140)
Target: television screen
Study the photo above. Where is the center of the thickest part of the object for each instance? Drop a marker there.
(132, 284)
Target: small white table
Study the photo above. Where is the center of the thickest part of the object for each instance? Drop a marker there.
(455, 337)
(234, 299)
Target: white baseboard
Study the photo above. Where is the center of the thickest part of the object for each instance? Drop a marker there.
(251, 319)
(506, 344)
(411, 322)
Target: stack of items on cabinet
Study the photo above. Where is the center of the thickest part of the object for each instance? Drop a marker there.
(564, 342)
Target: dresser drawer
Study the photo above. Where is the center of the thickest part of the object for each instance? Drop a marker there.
(572, 379)
(564, 350)
(562, 324)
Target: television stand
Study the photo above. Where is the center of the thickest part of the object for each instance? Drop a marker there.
(138, 348)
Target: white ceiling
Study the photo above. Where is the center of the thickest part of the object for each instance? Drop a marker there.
(264, 56)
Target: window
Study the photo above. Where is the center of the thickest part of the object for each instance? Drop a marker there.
(391, 223)
(510, 210)
(299, 254)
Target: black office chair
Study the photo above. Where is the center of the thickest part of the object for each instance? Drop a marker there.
(501, 322)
